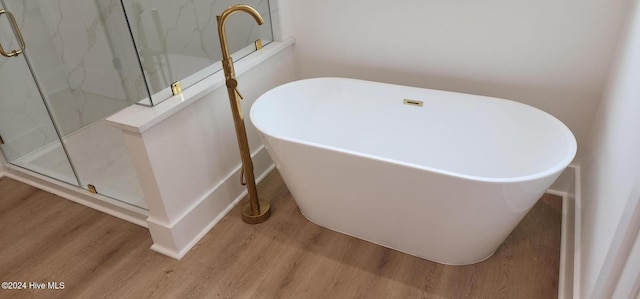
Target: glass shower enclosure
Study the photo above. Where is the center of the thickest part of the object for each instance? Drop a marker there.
(67, 65)
(57, 88)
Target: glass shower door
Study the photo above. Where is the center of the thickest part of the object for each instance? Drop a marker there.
(81, 56)
(76, 71)
(28, 136)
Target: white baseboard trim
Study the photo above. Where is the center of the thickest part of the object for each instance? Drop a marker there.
(567, 187)
(95, 201)
(577, 233)
(165, 251)
(3, 170)
(565, 277)
(177, 238)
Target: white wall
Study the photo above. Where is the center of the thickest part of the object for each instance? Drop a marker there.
(611, 166)
(553, 55)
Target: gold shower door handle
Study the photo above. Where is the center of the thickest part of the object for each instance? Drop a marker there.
(16, 30)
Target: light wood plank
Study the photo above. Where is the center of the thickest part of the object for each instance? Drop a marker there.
(45, 238)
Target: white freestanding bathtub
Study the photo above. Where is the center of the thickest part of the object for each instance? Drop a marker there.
(446, 181)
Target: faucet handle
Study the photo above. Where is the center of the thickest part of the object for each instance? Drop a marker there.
(238, 92)
(233, 83)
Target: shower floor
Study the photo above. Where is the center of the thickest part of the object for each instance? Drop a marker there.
(100, 158)
(55, 165)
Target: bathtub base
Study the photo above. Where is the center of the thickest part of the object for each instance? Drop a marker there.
(441, 218)
(400, 249)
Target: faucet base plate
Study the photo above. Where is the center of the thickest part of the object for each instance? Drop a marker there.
(265, 212)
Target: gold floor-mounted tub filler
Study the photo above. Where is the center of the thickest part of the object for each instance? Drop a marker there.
(256, 211)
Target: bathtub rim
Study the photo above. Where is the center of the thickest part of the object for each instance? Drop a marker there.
(557, 168)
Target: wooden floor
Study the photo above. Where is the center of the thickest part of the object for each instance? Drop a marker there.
(44, 238)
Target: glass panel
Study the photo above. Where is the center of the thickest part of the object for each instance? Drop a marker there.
(72, 46)
(30, 139)
(176, 40)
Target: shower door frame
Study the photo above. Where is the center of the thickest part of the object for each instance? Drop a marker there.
(70, 191)
(69, 164)
(28, 64)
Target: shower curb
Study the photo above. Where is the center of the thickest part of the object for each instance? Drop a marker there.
(98, 202)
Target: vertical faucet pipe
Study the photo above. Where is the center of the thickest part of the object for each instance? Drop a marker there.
(256, 211)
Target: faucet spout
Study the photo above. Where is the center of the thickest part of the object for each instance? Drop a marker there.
(227, 63)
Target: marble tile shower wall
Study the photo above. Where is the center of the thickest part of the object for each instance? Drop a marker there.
(76, 36)
(25, 125)
(72, 60)
(127, 63)
(70, 48)
(86, 84)
(85, 63)
(181, 36)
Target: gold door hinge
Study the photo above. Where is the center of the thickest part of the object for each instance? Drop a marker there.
(92, 189)
(176, 88)
(413, 102)
(258, 44)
